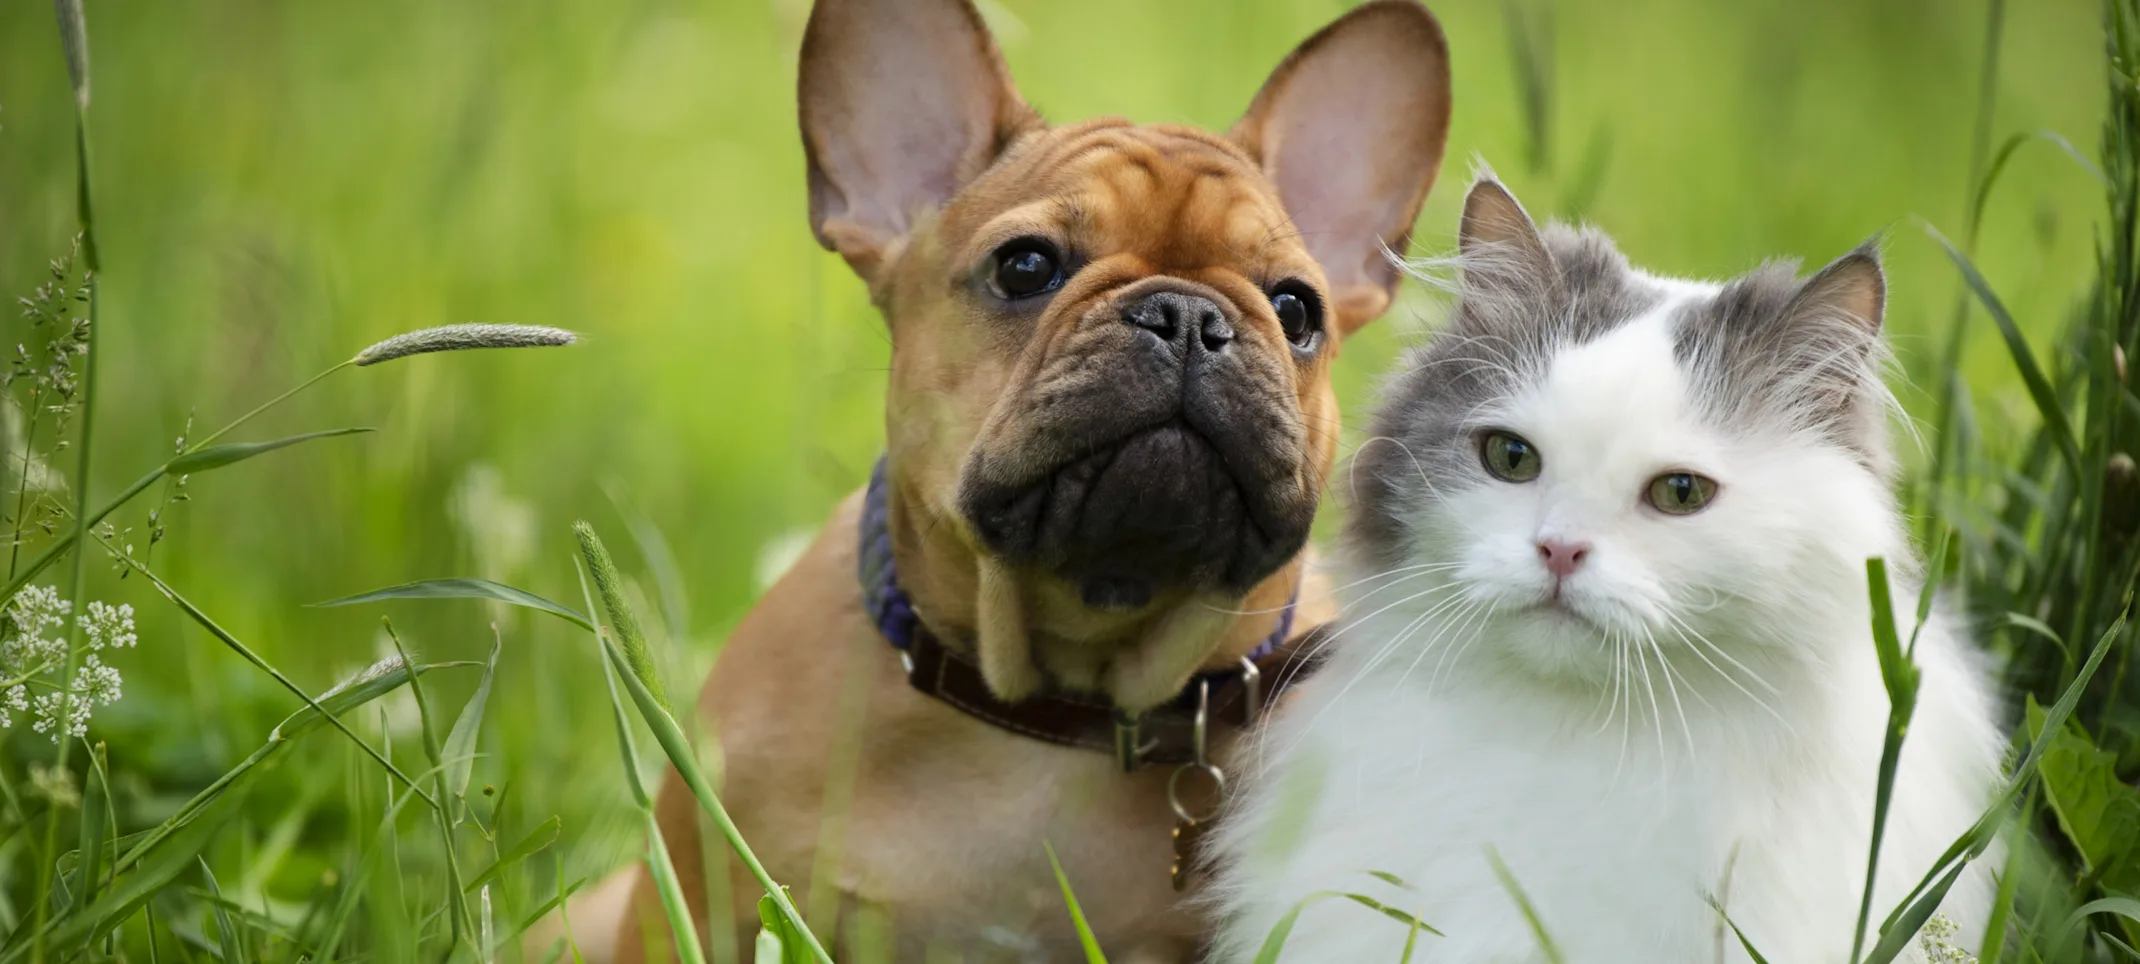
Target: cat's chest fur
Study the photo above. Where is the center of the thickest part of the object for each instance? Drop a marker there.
(1617, 843)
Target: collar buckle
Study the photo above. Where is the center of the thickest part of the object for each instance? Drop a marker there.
(1130, 745)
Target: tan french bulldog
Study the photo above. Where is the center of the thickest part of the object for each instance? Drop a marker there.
(1108, 428)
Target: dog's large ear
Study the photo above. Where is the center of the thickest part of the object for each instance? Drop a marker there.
(1351, 128)
(902, 103)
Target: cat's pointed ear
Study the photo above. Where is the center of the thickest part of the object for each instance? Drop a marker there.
(902, 103)
(1497, 243)
(1851, 289)
(1350, 127)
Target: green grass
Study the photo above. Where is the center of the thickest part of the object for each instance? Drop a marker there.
(278, 185)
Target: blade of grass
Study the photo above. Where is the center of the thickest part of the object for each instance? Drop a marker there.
(1274, 940)
(2032, 376)
(74, 34)
(230, 942)
(659, 865)
(1954, 396)
(465, 589)
(660, 560)
(2125, 907)
(214, 629)
(1896, 937)
(556, 903)
(653, 710)
(89, 854)
(375, 682)
(463, 925)
(783, 938)
(544, 834)
(230, 453)
(167, 842)
(460, 750)
(671, 738)
(1979, 837)
(1085, 940)
(1901, 678)
(1523, 903)
(132, 891)
(1745, 944)
(1993, 944)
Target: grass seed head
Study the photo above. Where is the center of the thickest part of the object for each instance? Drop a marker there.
(610, 586)
(74, 39)
(463, 338)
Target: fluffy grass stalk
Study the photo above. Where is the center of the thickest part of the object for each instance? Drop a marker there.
(622, 620)
(462, 338)
(654, 711)
(659, 865)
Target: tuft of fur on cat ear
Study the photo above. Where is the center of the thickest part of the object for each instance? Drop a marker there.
(1852, 287)
(1497, 243)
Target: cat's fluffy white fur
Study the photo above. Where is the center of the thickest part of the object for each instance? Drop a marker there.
(1702, 721)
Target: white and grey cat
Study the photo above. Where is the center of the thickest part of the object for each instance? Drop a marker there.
(1611, 625)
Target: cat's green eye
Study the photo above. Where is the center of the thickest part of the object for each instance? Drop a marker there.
(1681, 493)
(1509, 457)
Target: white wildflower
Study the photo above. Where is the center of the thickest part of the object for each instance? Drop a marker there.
(38, 650)
(38, 608)
(15, 699)
(96, 682)
(109, 625)
(34, 611)
(1937, 940)
(60, 713)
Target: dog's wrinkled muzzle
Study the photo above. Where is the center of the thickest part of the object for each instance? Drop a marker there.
(1184, 466)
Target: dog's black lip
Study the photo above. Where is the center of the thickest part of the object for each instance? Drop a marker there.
(1112, 445)
(1014, 519)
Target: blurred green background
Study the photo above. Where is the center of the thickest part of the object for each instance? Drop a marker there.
(282, 183)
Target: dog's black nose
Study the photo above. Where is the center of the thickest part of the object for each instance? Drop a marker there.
(1171, 316)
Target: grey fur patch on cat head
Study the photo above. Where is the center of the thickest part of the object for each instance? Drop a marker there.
(1766, 354)
(1777, 355)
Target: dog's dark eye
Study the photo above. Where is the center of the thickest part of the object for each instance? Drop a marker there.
(1300, 313)
(1027, 267)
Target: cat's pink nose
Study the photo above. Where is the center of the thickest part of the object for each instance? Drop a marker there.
(1562, 558)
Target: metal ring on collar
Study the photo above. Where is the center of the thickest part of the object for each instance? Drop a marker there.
(1218, 788)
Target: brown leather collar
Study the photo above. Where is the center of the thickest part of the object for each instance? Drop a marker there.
(1169, 734)
(1164, 735)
